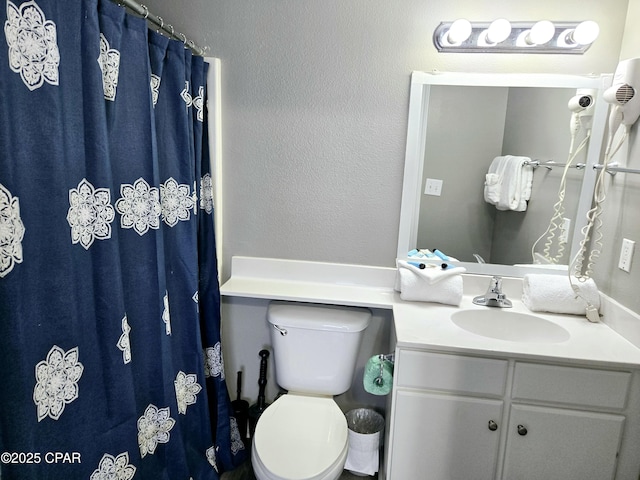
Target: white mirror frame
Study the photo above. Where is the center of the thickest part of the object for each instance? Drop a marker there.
(421, 83)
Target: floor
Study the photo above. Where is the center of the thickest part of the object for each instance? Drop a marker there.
(245, 472)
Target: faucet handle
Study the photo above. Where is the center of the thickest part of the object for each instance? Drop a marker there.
(496, 284)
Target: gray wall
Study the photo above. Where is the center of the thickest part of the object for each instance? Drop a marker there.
(315, 101)
(464, 133)
(315, 109)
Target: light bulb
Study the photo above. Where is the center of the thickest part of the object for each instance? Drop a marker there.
(541, 33)
(459, 31)
(585, 33)
(498, 31)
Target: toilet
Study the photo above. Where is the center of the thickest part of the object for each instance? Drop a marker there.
(303, 434)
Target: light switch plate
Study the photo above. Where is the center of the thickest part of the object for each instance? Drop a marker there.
(626, 254)
(433, 186)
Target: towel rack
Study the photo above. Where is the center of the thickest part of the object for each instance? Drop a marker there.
(549, 164)
(613, 168)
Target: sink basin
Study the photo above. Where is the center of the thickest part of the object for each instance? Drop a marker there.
(509, 325)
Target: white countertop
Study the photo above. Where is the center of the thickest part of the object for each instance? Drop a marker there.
(315, 282)
(429, 325)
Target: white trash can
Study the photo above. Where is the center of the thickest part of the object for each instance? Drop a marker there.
(366, 428)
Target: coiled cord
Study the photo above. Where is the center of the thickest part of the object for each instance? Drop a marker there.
(591, 233)
(558, 211)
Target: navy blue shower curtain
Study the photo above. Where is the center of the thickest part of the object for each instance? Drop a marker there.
(110, 346)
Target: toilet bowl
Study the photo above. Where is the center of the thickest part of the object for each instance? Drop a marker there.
(300, 438)
(303, 435)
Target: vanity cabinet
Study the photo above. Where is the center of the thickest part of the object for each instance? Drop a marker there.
(445, 436)
(544, 443)
(463, 417)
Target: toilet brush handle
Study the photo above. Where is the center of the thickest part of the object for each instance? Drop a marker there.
(262, 380)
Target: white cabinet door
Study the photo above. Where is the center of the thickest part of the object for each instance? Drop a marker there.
(444, 437)
(550, 443)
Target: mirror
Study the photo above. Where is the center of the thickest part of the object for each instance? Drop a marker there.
(458, 123)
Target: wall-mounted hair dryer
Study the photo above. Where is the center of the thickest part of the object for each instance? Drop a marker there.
(624, 96)
(583, 100)
(582, 105)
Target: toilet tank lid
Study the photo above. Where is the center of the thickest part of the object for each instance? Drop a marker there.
(318, 317)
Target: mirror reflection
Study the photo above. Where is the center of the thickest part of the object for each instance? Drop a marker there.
(466, 127)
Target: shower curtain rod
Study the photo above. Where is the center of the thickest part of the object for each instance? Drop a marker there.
(143, 11)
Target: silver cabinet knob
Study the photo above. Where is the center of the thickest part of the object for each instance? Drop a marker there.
(522, 430)
(493, 426)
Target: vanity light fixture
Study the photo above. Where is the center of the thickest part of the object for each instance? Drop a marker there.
(503, 36)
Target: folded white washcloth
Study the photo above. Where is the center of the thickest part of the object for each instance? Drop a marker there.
(493, 180)
(430, 284)
(554, 294)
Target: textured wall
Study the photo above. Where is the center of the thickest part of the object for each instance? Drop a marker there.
(315, 105)
(315, 102)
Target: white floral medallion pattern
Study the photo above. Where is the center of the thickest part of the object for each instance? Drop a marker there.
(109, 61)
(33, 45)
(211, 457)
(11, 232)
(206, 193)
(166, 315)
(90, 213)
(213, 362)
(187, 387)
(198, 102)
(114, 468)
(153, 428)
(123, 342)
(236, 440)
(186, 95)
(139, 206)
(176, 201)
(155, 88)
(56, 382)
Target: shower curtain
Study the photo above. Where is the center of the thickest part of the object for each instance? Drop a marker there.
(110, 358)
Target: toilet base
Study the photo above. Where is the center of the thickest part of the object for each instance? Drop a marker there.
(261, 473)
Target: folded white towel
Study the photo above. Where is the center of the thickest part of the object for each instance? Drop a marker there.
(527, 183)
(508, 183)
(516, 184)
(554, 293)
(430, 284)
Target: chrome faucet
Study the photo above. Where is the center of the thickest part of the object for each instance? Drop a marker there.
(494, 296)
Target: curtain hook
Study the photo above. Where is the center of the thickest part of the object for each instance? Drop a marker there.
(172, 30)
(161, 27)
(184, 38)
(146, 10)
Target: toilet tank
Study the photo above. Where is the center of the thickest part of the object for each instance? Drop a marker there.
(315, 347)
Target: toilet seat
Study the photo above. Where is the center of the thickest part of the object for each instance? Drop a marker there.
(300, 438)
